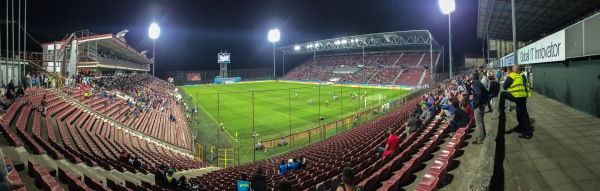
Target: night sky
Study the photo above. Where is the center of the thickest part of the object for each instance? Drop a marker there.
(193, 32)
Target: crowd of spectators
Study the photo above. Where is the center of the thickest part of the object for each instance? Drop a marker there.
(375, 68)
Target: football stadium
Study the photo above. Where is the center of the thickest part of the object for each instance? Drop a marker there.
(300, 95)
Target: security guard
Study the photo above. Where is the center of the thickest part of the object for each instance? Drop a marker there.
(212, 152)
(517, 91)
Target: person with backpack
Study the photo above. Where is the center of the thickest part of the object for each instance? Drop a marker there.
(480, 95)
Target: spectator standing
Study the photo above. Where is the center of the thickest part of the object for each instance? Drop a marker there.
(258, 181)
(493, 90)
(44, 105)
(391, 144)
(212, 152)
(243, 184)
(505, 72)
(159, 175)
(479, 99)
(518, 92)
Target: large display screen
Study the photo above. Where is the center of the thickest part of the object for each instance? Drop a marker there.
(193, 77)
(224, 58)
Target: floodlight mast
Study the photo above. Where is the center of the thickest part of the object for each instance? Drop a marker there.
(447, 7)
(153, 32)
(273, 37)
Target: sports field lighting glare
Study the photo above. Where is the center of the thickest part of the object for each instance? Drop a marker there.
(153, 32)
(274, 36)
(344, 41)
(336, 42)
(447, 7)
(296, 48)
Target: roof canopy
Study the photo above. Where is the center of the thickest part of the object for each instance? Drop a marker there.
(535, 18)
(410, 40)
(117, 47)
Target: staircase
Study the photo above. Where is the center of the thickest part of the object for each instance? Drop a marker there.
(373, 75)
(422, 56)
(398, 76)
(395, 62)
(422, 77)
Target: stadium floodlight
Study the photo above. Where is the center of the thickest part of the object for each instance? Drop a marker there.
(344, 41)
(337, 42)
(153, 32)
(296, 48)
(447, 7)
(274, 36)
(317, 45)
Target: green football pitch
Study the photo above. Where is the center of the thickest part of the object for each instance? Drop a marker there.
(271, 108)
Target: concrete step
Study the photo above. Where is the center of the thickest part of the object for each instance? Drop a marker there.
(195, 172)
(13, 154)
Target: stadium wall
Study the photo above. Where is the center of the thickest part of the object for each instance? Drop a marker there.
(574, 83)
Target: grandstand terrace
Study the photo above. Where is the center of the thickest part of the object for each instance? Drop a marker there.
(377, 68)
(103, 109)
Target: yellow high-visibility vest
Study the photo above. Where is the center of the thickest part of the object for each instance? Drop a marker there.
(518, 88)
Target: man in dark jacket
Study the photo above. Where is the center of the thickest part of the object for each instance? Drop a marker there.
(11, 86)
(480, 95)
(159, 175)
(258, 181)
(493, 90)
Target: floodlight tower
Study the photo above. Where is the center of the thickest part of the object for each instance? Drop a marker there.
(153, 32)
(274, 36)
(447, 7)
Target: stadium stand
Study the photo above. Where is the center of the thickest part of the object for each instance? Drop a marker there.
(81, 130)
(377, 68)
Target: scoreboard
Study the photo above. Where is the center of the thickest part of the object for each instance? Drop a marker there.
(224, 58)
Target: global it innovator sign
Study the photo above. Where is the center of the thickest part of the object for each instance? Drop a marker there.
(548, 49)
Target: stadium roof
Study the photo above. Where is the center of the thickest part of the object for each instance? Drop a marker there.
(534, 17)
(420, 39)
(115, 45)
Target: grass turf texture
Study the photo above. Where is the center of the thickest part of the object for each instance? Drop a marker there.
(275, 101)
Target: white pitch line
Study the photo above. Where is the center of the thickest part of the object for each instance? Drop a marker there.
(291, 116)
